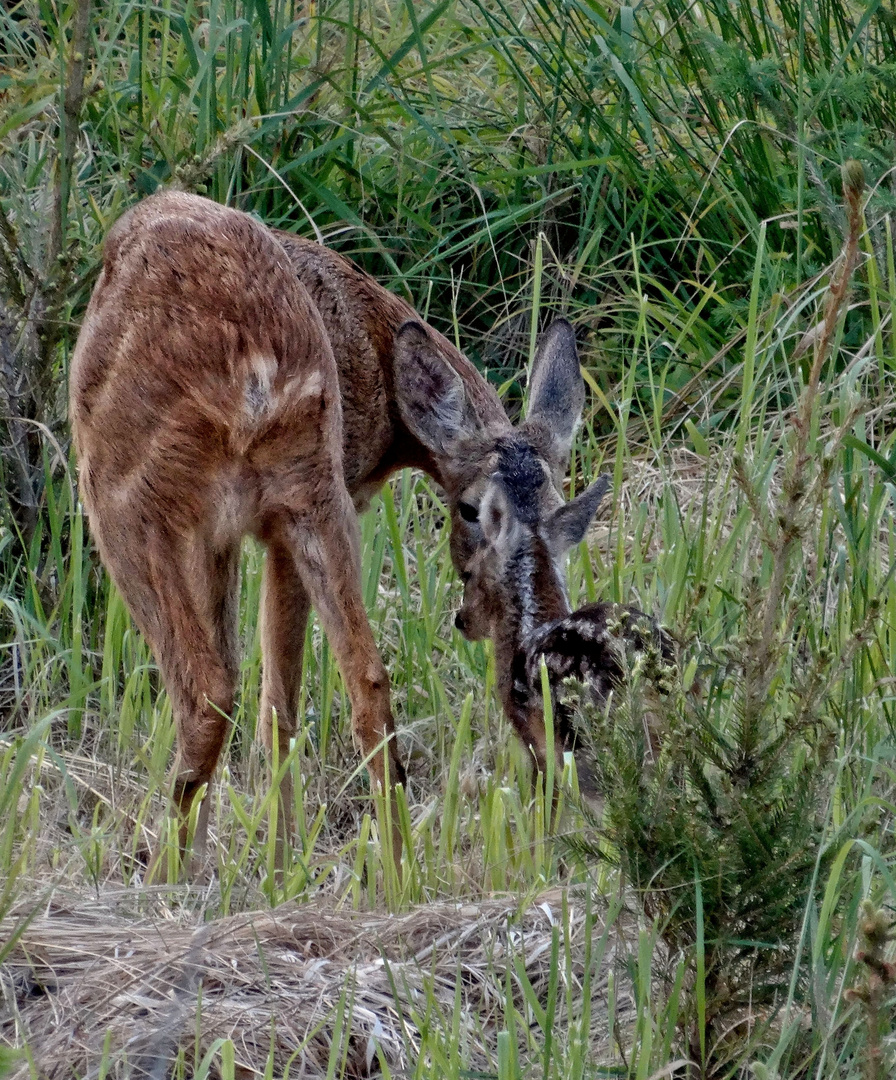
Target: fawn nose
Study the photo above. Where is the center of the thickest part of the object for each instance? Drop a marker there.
(460, 622)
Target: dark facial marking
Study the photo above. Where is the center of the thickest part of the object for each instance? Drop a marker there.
(522, 478)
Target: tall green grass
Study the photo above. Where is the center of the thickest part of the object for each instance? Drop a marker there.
(666, 177)
(436, 142)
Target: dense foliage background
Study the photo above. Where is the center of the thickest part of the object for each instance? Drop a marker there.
(669, 177)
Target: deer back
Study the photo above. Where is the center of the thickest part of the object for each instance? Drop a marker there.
(201, 360)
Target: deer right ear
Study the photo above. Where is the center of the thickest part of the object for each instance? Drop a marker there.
(430, 393)
(556, 394)
(568, 524)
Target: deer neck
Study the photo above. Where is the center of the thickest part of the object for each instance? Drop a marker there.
(535, 595)
(361, 319)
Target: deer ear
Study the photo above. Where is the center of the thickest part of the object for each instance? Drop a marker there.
(568, 524)
(497, 520)
(556, 394)
(430, 393)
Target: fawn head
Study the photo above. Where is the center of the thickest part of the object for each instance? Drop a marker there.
(515, 579)
(510, 527)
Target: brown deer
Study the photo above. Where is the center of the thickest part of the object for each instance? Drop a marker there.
(514, 593)
(230, 380)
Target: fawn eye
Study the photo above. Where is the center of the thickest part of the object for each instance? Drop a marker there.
(468, 511)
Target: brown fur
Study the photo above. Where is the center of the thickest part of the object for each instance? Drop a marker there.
(232, 380)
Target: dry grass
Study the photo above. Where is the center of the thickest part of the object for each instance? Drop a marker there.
(104, 989)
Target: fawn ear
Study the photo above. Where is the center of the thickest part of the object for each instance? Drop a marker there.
(430, 393)
(556, 395)
(568, 524)
(500, 526)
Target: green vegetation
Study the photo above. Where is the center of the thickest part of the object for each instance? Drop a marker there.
(716, 801)
(669, 176)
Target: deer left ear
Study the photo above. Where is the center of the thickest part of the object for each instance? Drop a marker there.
(430, 393)
(568, 524)
(556, 394)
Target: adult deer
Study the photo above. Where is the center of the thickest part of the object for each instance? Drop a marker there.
(229, 380)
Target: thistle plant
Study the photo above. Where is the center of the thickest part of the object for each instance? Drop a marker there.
(875, 987)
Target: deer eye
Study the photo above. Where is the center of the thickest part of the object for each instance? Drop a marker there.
(468, 511)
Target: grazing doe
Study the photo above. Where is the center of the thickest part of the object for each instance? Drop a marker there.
(514, 593)
(232, 380)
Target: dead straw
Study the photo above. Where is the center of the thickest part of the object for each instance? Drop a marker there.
(91, 990)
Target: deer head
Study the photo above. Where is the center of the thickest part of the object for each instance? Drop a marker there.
(510, 528)
(514, 577)
(514, 582)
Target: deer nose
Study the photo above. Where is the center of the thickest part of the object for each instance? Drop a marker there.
(460, 622)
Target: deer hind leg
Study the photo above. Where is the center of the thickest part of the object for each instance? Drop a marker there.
(284, 616)
(325, 543)
(183, 596)
(216, 602)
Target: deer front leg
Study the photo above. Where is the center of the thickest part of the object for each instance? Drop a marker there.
(529, 723)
